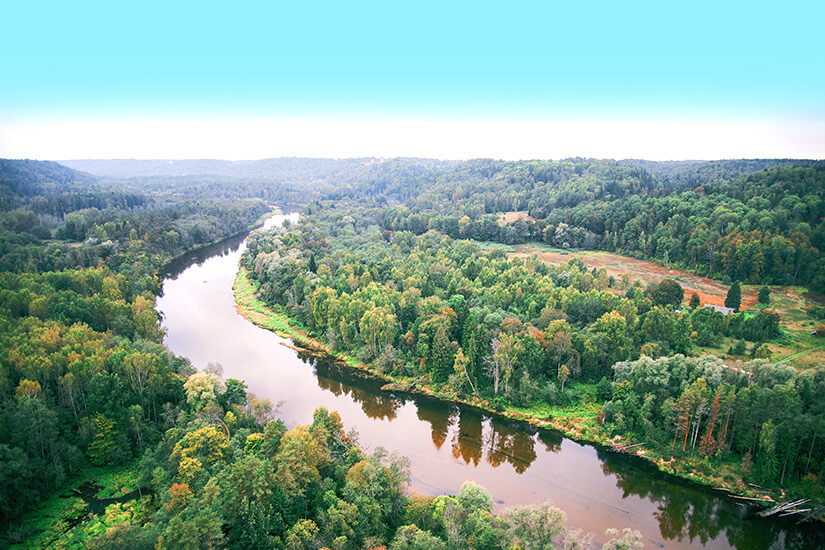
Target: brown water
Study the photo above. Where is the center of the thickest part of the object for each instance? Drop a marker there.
(448, 444)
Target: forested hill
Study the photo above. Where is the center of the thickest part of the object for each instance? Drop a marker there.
(766, 226)
(20, 180)
(755, 220)
(693, 172)
(84, 378)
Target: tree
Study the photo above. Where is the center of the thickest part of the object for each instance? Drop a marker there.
(667, 293)
(441, 359)
(500, 365)
(564, 372)
(460, 368)
(694, 301)
(534, 527)
(202, 389)
(410, 537)
(764, 295)
(378, 328)
(628, 539)
(104, 443)
(299, 460)
(734, 296)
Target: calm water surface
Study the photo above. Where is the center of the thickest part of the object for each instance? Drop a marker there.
(449, 444)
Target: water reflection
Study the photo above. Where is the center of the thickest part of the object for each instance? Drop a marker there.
(198, 256)
(448, 444)
(684, 513)
(687, 513)
(472, 435)
(338, 381)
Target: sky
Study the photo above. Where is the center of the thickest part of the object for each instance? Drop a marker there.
(246, 80)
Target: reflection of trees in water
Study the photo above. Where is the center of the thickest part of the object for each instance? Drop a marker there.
(510, 443)
(689, 514)
(197, 257)
(374, 403)
(552, 441)
(467, 443)
(684, 513)
(440, 419)
(476, 437)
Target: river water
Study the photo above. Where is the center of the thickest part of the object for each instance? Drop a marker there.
(448, 444)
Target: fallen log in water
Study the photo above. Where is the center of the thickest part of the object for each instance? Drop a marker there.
(786, 509)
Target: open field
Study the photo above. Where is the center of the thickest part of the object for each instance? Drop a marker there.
(797, 347)
(709, 290)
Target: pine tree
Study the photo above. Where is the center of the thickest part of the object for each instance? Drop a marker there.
(764, 295)
(442, 358)
(734, 297)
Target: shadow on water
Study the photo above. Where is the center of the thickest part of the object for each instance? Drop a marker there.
(687, 512)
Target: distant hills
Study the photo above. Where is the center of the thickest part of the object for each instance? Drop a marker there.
(675, 173)
(277, 168)
(22, 179)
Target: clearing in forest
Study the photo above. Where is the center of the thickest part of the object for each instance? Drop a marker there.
(709, 290)
(509, 217)
(798, 346)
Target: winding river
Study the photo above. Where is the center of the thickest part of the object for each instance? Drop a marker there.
(448, 444)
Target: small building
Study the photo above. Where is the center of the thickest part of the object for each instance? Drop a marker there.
(721, 309)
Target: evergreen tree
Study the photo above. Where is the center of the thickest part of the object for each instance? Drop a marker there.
(441, 357)
(764, 295)
(734, 297)
(694, 301)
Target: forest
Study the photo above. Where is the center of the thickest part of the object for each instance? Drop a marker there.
(399, 274)
(399, 265)
(86, 385)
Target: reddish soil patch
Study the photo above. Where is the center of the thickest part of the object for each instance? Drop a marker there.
(709, 290)
(509, 217)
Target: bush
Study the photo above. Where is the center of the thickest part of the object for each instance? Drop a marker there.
(604, 389)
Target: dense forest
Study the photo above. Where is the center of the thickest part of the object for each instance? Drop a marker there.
(388, 271)
(392, 262)
(762, 227)
(86, 382)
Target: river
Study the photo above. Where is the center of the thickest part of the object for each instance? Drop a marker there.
(448, 444)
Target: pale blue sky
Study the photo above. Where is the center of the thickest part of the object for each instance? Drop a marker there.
(78, 69)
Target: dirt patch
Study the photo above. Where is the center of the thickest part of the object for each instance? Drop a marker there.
(709, 290)
(509, 217)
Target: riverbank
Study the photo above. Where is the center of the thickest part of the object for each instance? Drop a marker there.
(579, 422)
(167, 264)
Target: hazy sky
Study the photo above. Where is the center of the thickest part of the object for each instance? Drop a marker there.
(658, 80)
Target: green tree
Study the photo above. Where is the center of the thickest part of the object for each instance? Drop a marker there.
(764, 295)
(534, 527)
(667, 293)
(410, 537)
(441, 358)
(734, 296)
